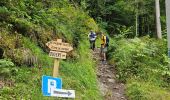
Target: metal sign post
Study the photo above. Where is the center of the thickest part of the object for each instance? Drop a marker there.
(168, 24)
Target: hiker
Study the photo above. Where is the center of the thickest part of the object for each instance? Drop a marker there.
(104, 46)
(92, 38)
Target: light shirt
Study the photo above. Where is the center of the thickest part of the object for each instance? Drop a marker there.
(92, 38)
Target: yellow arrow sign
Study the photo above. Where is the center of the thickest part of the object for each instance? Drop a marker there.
(59, 46)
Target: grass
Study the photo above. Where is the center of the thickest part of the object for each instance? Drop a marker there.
(81, 74)
(143, 65)
(42, 56)
(78, 75)
(140, 90)
(59, 20)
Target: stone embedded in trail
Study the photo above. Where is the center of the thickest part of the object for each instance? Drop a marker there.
(111, 80)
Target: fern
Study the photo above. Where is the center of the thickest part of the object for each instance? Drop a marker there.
(6, 67)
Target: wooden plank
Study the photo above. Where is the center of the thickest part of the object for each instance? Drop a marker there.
(57, 43)
(56, 68)
(56, 54)
(59, 46)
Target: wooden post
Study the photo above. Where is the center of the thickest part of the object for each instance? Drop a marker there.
(56, 67)
(56, 64)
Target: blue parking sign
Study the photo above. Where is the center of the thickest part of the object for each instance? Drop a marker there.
(48, 83)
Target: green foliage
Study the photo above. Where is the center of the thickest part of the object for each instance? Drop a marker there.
(43, 58)
(135, 57)
(23, 26)
(29, 25)
(80, 75)
(137, 90)
(124, 32)
(76, 74)
(143, 64)
(43, 21)
(4, 63)
(7, 68)
(139, 14)
(4, 13)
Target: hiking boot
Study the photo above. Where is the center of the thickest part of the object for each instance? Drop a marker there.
(104, 62)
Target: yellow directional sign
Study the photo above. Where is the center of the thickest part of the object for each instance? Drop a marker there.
(56, 54)
(58, 49)
(59, 46)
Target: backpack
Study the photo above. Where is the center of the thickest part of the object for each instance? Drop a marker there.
(107, 41)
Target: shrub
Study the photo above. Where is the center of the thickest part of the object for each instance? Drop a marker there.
(143, 64)
(136, 57)
(4, 13)
(138, 90)
(7, 67)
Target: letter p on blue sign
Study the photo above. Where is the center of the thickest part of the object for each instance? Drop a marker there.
(49, 83)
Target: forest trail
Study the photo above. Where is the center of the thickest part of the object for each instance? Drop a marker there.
(110, 88)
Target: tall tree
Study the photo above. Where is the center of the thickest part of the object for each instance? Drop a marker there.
(158, 22)
(136, 17)
(168, 24)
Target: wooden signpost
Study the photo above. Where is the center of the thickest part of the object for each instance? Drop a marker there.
(58, 49)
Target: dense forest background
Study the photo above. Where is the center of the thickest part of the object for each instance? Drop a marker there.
(140, 58)
(128, 15)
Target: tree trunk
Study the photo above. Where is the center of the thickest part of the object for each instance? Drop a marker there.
(158, 23)
(168, 25)
(136, 18)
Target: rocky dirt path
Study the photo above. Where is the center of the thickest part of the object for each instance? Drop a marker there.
(110, 88)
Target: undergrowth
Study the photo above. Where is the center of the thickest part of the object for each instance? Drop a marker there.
(26, 25)
(78, 75)
(142, 63)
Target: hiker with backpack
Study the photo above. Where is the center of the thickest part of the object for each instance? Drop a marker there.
(92, 39)
(104, 46)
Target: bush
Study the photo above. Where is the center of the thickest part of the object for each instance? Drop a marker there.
(143, 64)
(138, 90)
(7, 67)
(23, 26)
(4, 13)
(136, 57)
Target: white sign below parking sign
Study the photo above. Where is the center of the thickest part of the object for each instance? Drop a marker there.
(63, 93)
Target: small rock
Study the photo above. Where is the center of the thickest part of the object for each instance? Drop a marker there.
(122, 84)
(117, 94)
(108, 76)
(116, 87)
(107, 71)
(111, 80)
